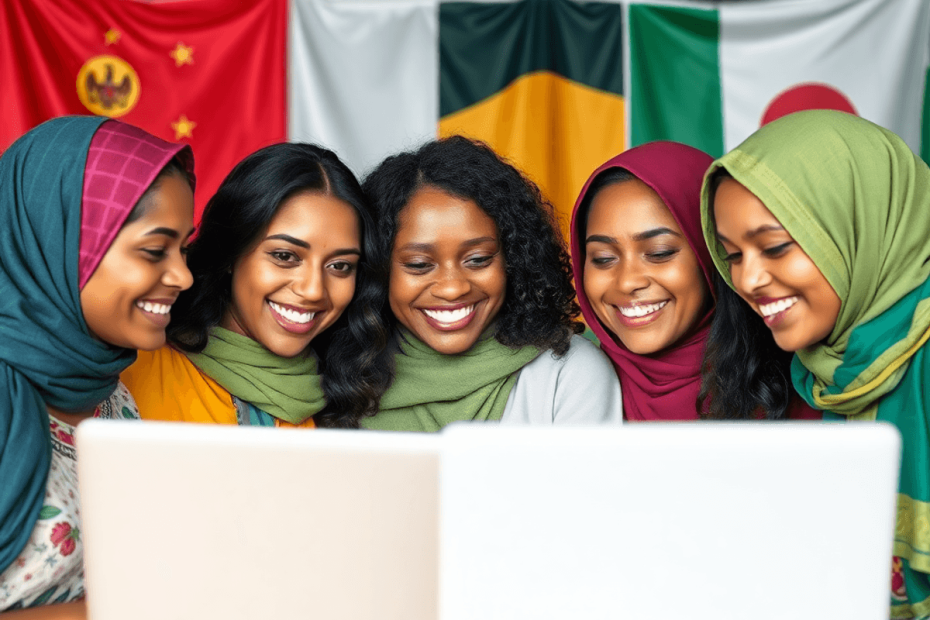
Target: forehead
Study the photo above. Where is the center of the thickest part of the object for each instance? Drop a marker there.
(306, 215)
(433, 215)
(627, 208)
(737, 210)
(170, 201)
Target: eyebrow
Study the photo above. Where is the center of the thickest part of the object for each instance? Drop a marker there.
(756, 231)
(168, 232)
(303, 244)
(426, 247)
(647, 234)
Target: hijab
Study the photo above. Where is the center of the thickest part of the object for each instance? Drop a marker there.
(856, 199)
(665, 385)
(49, 247)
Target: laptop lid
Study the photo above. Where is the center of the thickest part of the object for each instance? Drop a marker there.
(697, 521)
(190, 521)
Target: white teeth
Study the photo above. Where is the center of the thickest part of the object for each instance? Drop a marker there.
(449, 316)
(777, 306)
(153, 308)
(634, 312)
(292, 315)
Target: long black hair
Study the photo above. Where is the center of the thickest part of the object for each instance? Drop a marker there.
(539, 306)
(234, 220)
(745, 375)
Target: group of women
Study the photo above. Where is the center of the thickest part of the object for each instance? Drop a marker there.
(786, 280)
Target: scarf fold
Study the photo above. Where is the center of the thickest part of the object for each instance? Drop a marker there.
(288, 388)
(857, 201)
(431, 390)
(663, 386)
(47, 354)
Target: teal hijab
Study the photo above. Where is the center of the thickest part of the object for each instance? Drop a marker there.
(47, 354)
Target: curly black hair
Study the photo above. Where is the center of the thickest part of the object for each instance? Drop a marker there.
(539, 306)
(745, 375)
(352, 350)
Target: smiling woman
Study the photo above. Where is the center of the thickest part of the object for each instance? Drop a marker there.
(819, 222)
(269, 334)
(644, 274)
(93, 226)
(478, 290)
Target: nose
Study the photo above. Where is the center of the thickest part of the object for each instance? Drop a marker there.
(309, 283)
(177, 275)
(750, 274)
(452, 284)
(631, 277)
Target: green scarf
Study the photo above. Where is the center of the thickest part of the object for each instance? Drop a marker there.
(286, 387)
(431, 390)
(857, 200)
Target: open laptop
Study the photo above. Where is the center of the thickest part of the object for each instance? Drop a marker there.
(696, 521)
(188, 521)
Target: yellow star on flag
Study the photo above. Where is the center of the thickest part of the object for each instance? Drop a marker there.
(112, 36)
(182, 55)
(183, 128)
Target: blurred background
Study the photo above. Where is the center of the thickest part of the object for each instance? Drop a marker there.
(556, 86)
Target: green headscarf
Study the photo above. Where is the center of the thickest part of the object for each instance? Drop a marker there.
(287, 388)
(431, 390)
(857, 201)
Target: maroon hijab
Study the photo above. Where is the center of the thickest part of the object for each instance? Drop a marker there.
(665, 385)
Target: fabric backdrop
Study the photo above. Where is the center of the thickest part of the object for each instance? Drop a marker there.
(557, 86)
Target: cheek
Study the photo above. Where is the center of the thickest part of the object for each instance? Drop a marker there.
(341, 291)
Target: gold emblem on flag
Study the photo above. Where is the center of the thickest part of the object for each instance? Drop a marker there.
(108, 86)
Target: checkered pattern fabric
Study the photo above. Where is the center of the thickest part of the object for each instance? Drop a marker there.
(122, 162)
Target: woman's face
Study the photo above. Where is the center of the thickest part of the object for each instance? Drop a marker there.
(127, 301)
(641, 277)
(300, 276)
(448, 276)
(771, 271)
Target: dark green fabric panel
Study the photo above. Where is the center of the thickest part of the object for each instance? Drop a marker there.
(484, 47)
(675, 77)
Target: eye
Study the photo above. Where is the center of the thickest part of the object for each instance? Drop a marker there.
(602, 261)
(283, 256)
(777, 250)
(155, 254)
(660, 256)
(732, 257)
(479, 261)
(185, 250)
(416, 265)
(343, 268)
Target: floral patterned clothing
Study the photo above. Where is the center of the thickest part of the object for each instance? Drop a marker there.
(50, 569)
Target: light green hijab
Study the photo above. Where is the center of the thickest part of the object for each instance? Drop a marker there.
(857, 201)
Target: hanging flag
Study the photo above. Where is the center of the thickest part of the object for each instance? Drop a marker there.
(209, 73)
(711, 77)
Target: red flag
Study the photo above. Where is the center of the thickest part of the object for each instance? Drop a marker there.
(210, 73)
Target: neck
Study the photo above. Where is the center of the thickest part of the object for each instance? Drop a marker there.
(71, 418)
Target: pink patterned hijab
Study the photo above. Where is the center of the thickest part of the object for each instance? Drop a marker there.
(122, 162)
(665, 385)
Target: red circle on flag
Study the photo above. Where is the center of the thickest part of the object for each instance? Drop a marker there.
(809, 96)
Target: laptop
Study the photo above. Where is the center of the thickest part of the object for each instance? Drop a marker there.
(696, 521)
(189, 521)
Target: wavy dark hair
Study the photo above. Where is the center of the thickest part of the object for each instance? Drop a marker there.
(539, 306)
(235, 218)
(745, 376)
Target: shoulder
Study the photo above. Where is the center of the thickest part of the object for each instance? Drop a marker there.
(582, 355)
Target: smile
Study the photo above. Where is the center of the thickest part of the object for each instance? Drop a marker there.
(291, 319)
(155, 311)
(451, 319)
(152, 308)
(771, 309)
(635, 312)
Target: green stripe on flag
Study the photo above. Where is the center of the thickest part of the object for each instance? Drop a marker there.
(675, 77)
(483, 47)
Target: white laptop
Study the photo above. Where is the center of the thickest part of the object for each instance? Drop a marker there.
(188, 521)
(696, 521)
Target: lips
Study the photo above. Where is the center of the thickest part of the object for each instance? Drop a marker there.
(773, 309)
(640, 314)
(158, 311)
(449, 318)
(293, 319)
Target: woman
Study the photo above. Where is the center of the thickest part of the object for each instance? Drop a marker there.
(479, 296)
(644, 274)
(819, 222)
(94, 220)
(277, 260)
